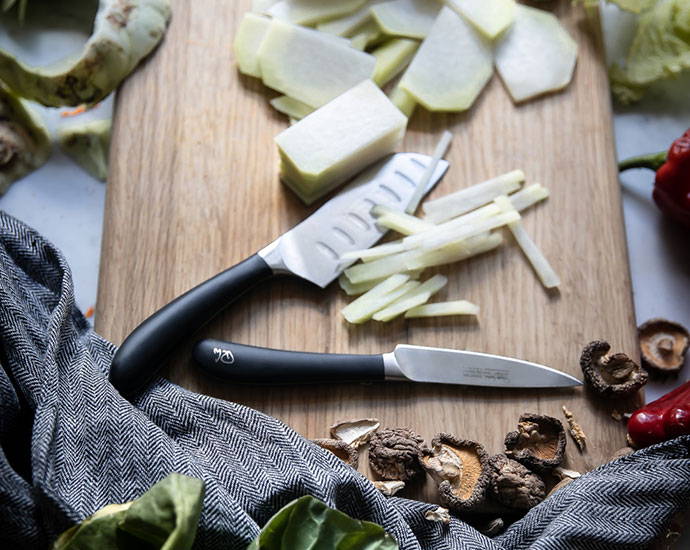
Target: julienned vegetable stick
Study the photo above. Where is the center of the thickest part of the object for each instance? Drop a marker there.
(366, 305)
(311, 66)
(399, 221)
(357, 289)
(401, 305)
(338, 140)
(456, 234)
(250, 35)
(528, 196)
(439, 152)
(489, 16)
(411, 18)
(451, 67)
(374, 252)
(391, 58)
(459, 307)
(454, 252)
(465, 200)
(291, 107)
(536, 55)
(403, 101)
(308, 12)
(540, 264)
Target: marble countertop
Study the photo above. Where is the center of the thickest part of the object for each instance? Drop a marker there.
(66, 205)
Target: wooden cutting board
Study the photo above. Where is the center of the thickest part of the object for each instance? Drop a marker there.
(194, 189)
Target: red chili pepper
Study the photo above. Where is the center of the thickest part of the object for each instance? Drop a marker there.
(672, 185)
(663, 419)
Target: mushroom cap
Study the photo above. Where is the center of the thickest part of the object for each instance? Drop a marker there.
(610, 375)
(514, 485)
(347, 453)
(355, 432)
(462, 469)
(538, 443)
(395, 453)
(663, 345)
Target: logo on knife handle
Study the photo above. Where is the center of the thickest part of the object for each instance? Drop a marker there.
(224, 356)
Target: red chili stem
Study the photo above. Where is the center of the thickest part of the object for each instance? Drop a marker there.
(652, 162)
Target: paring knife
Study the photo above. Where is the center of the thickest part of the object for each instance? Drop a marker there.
(311, 250)
(252, 365)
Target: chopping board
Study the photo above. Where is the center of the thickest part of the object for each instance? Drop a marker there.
(194, 189)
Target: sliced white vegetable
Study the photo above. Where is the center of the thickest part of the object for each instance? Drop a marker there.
(367, 34)
(352, 289)
(411, 18)
(483, 213)
(401, 305)
(367, 304)
(376, 269)
(399, 221)
(347, 25)
(528, 196)
(439, 152)
(489, 16)
(465, 200)
(454, 252)
(310, 12)
(452, 65)
(441, 238)
(539, 262)
(338, 140)
(536, 55)
(291, 107)
(403, 101)
(250, 35)
(309, 65)
(440, 309)
(391, 58)
(262, 6)
(375, 252)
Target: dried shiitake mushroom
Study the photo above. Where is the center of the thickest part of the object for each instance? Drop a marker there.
(610, 375)
(355, 432)
(395, 453)
(347, 453)
(538, 443)
(461, 468)
(663, 345)
(438, 515)
(389, 488)
(514, 485)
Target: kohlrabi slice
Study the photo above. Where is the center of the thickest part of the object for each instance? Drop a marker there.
(536, 55)
(291, 107)
(250, 35)
(410, 18)
(443, 309)
(451, 67)
(348, 25)
(400, 221)
(336, 141)
(377, 298)
(403, 101)
(87, 143)
(24, 142)
(123, 34)
(309, 65)
(366, 35)
(310, 12)
(491, 17)
(262, 6)
(392, 58)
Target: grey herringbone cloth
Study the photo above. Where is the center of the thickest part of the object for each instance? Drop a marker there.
(71, 444)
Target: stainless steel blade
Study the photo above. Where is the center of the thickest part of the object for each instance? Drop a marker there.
(313, 248)
(469, 368)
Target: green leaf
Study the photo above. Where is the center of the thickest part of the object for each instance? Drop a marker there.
(660, 50)
(165, 518)
(308, 524)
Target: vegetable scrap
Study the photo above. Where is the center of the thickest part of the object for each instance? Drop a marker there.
(663, 419)
(438, 515)
(88, 144)
(123, 34)
(395, 454)
(575, 430)
(73, 112)
(538, 443)
(89, 312)
(672, 183)
(610, 375)
(24, 142)
(345, 452)
(663, 345)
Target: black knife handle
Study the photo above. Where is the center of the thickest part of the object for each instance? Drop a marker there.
(144, 351)
(253, 365)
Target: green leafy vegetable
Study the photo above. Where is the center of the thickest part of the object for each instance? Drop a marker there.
(123, 34)
(660, 50)
(87, 144)
(308, 524)
(165, 518)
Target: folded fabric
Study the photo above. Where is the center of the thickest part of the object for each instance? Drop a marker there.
(70, 444)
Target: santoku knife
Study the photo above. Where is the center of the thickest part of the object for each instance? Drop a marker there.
(252, 365)
(311, 250)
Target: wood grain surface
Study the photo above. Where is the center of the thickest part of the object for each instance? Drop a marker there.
(194, 189)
